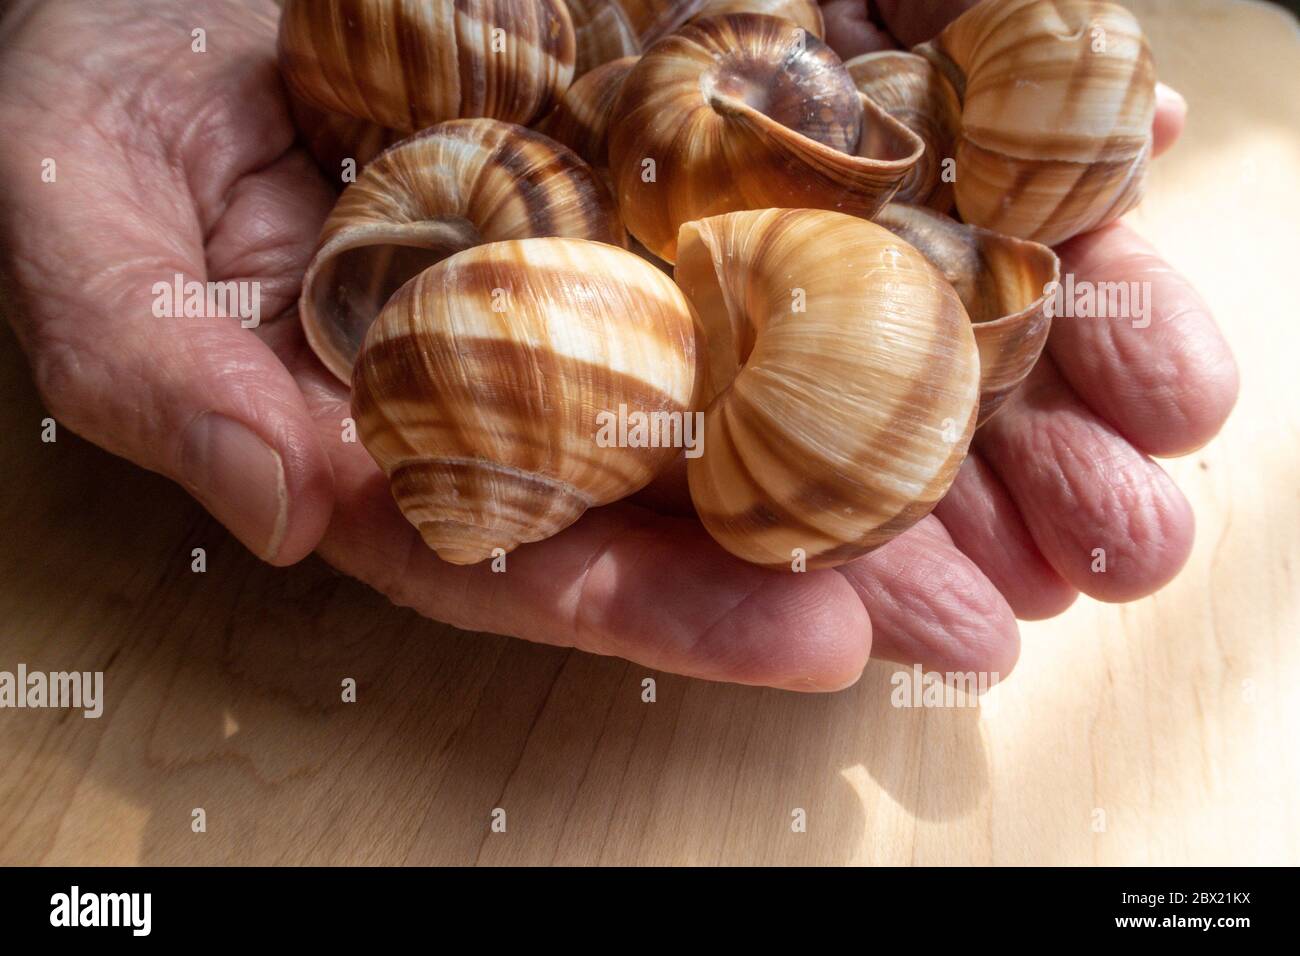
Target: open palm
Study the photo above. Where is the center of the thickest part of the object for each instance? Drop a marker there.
(175, 161)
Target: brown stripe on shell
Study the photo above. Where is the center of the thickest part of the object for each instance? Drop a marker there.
(806, 14)
(642, 309)
(408, 365)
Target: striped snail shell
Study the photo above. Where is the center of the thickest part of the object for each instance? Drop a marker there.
(1006, 284)
(452, 186)
(480, 387)
(804, 13)
(1058, 97)
(332, 138)
(611, 29)
(407, 64)
(581, 119)
(842, 383)
(747, 111)
(910, 89)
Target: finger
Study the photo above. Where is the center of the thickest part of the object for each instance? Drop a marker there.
(850, 32)
(1171, 117)
(268, 230)
(1160, 371)
(986, 526)
(205, 403)
(621, 582)
(930, 605)
(1108, 518)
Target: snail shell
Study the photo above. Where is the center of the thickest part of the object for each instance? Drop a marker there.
(1006, 285)
(747, 111)
(480, 385)
(611, 29)
(581, 119)
(911, 90)
(804, 13)
(833, 428)
(1057, 98)
(452, 186)
(407, 64)
(332, 138)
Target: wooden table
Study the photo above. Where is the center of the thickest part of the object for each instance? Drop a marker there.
(1158, 732)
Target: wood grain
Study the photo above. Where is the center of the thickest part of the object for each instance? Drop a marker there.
(1176, 716)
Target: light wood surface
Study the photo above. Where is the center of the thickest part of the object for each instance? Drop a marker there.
(1177, 717)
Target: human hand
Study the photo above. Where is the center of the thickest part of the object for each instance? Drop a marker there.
(194, 165)
(131, 158)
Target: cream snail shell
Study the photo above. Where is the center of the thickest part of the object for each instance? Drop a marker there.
(747, 111)
(407, 64)
(841, 388)
(1006, 284)
(452, 186)
(480, 388)
(1057, 100)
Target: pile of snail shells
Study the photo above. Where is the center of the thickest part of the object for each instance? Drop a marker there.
(568, 210)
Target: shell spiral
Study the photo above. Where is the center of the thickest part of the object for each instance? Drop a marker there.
(747, 111)
(481, 388)
(407, 64)
(842, 386)
(452, 186)
(911, 90)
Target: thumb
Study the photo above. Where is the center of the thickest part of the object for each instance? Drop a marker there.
(197, 399)
(92, 264)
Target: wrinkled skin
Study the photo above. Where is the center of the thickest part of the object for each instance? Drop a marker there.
(170, 161)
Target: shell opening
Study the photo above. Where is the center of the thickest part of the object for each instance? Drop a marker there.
(806, 89)
(348, 287)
